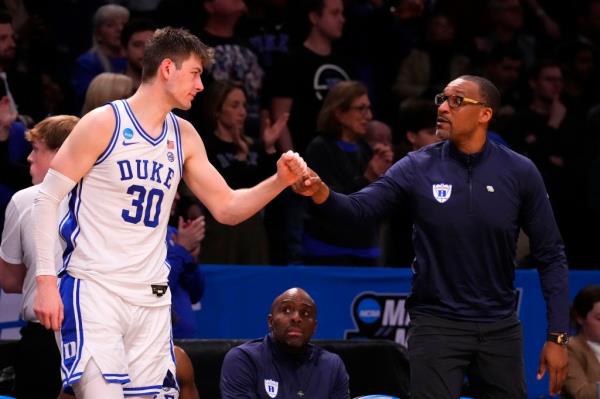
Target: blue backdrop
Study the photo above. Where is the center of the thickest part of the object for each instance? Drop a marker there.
(353, 303)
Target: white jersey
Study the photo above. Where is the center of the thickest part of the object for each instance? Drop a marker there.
(118, 212)
(17, 243)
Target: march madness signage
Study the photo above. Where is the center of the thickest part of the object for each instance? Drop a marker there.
(380, 316)
(383, 316)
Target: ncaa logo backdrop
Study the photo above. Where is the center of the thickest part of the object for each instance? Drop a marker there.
(383, 316)
(380, 316)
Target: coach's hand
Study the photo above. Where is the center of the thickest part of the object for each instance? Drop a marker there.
(554, 358)
(47, 305)
(312, 186)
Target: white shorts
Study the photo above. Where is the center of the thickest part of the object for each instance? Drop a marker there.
(132, 345)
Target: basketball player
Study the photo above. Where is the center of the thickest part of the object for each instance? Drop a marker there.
(122, 164)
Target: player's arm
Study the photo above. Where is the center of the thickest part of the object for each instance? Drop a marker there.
(226, 205)
(74, 159)
(185, 375)
(12, 277)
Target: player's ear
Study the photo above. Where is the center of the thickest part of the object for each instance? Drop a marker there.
(166, 67)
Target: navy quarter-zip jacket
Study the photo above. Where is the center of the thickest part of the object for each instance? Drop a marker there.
(259, 369)
(467, 211)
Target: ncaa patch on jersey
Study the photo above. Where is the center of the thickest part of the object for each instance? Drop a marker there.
(442, 192)
(271, 388)
(127, 133)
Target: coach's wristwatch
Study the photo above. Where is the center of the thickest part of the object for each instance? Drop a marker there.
(558, 338)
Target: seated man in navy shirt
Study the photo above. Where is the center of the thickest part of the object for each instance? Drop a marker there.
(284, 364)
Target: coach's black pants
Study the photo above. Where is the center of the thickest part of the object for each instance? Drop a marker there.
(443, 352)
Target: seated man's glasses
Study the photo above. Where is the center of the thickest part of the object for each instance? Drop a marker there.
(455, 101)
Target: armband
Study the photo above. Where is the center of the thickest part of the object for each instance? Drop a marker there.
(45, 220)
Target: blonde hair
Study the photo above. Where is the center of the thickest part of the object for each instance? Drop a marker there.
(53, 130)
(105, 88)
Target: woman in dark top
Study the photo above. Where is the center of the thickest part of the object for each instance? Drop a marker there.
(346, 163)
(243, 162)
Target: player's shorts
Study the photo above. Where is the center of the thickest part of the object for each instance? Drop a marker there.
(132, 345)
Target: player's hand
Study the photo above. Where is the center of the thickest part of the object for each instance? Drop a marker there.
(554, 359)
(47, 305)
(311, 185)
(290, 168)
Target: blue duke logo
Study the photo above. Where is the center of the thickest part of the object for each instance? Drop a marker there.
(271, 388)
(442, 192)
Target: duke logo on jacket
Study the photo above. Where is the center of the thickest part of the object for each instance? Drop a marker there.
(271, 387)
(442, 192)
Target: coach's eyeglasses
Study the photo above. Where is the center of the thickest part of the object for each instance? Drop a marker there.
(455, 101)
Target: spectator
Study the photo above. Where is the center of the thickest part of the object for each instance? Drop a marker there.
(583, 379)
(344, 160)
(545, 135)
(302, 80)
(504, 68)
(186, 281)
(14, 148)
(299, 85)
(234, 58)
(505, 29)
(23, 88)
(37, 354)
(379, 35)
(134, 37)
(105, 88)
(243, 162)
(284, 363)
(426, 69)
(268, 30)
(106, 53)
(378, 132)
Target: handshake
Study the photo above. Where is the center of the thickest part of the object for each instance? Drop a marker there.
(292, 170)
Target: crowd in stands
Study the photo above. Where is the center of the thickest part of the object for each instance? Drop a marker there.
(270, 90)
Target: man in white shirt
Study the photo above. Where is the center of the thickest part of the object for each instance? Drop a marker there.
(37, 357)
